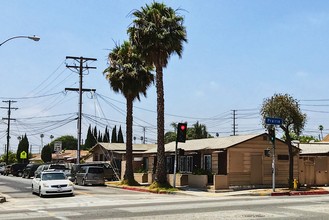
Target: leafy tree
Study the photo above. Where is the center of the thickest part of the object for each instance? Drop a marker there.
(158, 32)
(68, 142)
(287, 108)
(46, 152)
(11, 157)
(198, 131)
(23, 145)
(303, 139)
(170, 136)
(128, 74)
(114, 138)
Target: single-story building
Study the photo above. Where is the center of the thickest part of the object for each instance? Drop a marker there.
(66, 156)
(314, 163)
(237, 160)
(114, 154)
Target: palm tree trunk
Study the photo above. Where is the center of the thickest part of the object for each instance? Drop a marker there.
(161, 176)
(129, 174)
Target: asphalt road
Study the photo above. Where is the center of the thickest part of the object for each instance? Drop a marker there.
(110, 203)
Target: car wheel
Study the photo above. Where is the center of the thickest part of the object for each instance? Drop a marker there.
(40, 194)
(19, 174)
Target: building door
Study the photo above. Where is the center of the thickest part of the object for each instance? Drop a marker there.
(309, 172)
(256, 172)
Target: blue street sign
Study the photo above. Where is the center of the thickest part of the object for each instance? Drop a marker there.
(273, 121)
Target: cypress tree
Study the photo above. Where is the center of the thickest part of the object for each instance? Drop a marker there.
(106, 137)
(89, 143)
(114, 138)
(120, 136)
(22, 146)
(46, 153)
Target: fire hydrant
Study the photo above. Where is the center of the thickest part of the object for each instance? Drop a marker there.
(295, 184)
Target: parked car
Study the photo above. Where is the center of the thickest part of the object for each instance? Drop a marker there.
(57, 167)
(92, 175)
(52, 183)
(2, 168)
(7, 170)
(108, 171)
(29, 170)
(17, 169)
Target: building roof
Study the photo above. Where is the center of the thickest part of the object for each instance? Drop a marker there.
(207, 143)
(314, 148)
(121, 147)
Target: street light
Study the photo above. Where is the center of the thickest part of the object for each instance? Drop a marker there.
(35, 38)
(41, 136)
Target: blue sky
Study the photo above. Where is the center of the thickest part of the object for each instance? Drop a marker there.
(238, 53)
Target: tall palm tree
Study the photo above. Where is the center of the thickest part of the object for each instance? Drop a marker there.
(158, 32)
(128, 74)
(321, 129)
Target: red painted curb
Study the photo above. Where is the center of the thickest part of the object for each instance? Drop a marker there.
(299, 193)
(280, 194)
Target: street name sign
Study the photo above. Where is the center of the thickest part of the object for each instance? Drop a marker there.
(273, 121)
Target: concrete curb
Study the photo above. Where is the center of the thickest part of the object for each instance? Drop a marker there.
(138, 189)
(300, 193)
(227, 193)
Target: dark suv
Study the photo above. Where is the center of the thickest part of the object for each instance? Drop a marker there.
(29, 170)
(17, 169)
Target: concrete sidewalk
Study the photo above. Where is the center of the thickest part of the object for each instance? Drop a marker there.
(229, 192)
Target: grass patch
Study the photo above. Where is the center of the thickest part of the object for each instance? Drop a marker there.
(162, 188)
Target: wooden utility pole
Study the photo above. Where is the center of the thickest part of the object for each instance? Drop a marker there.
(8, 125)
(81, 67)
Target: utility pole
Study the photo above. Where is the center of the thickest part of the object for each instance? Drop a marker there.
(81, 67)
(144, 135)
(234, 124)
(8, 123)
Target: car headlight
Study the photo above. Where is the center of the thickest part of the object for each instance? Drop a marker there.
(44, 184)
(71, 184)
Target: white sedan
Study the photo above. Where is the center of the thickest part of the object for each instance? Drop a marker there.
(52, 183)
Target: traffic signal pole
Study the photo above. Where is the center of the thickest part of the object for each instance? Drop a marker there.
(175, 165)
(271, 132)
(181, 137)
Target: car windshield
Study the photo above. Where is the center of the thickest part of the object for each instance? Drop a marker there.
(53, 176)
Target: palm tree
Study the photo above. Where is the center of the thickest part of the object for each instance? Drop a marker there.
(158, 32)
(321, 129)
(129, 75)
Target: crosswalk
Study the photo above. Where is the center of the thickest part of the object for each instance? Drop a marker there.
(85, 206)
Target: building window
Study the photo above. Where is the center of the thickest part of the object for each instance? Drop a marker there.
(186, 164)
(101, 157)
(283, 157)
(170, 164)
(95, 157)
(207, 162)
